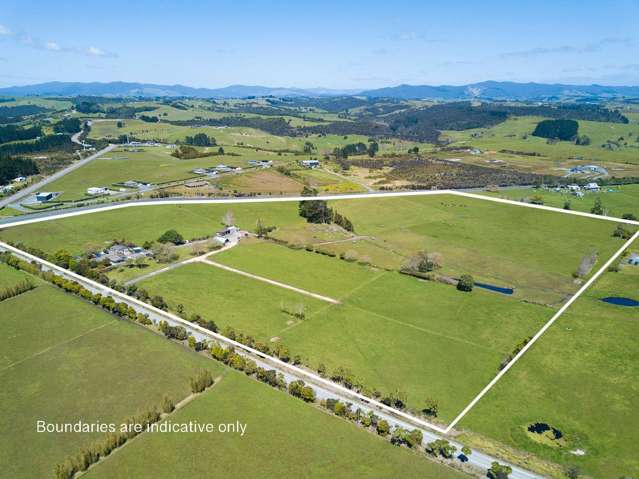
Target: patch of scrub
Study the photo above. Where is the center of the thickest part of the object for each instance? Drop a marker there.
(546, 434)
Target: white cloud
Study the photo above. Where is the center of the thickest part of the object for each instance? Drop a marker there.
(27, 40)
(96, 52)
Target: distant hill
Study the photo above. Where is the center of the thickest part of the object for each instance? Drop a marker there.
(126, 89)
(503, 91)
(489, 90)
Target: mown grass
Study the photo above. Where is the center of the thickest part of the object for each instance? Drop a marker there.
(284, 438)
(580, 377)
(64, 361)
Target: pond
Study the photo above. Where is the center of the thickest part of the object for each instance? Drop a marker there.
(620, 301)
(497, 289)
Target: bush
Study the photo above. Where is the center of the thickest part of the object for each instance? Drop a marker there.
(171, 236)
(557, 129)
(466, 283)
(203, 380)
(167, 406)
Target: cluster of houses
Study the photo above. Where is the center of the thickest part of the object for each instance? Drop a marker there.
(120, 253)
(261, 163)
(14, 182)
(214, 170)
(587, 170)
(578, 190)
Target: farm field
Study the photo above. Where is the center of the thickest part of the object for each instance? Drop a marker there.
(384, 341)
(285, 437)
(515, 134)
(151, 165)
(580, 378)
(234, 136)
(96, 367)
(394, 228)
(615, 200)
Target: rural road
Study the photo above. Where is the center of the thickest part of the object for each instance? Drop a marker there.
(38, 186)
(323, 387)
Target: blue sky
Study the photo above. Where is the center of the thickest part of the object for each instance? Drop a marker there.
(334, 44)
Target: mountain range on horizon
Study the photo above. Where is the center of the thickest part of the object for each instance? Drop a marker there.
(489, 90)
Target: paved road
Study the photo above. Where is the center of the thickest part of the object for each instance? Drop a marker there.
(38, 186)
(323, 387)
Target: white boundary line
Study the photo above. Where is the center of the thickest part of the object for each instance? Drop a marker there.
(315, 377)
(269, 281)
(543, 330)
(395, 194)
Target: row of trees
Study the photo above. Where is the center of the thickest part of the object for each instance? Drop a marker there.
(16, 290)
(200, 139)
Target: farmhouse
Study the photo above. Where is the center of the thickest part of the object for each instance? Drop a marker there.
(43, 196)
(97, 190)
(573, 187)
(310, 163)
(592, 187)
(228, 234)
(119, 253)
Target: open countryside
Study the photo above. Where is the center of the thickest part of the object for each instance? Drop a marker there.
(330, 241)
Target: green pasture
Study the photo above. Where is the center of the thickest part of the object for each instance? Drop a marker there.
(62, 361)
(615, 200)
(581, 378)
(284, 438)
(388, 328)
(516, 134)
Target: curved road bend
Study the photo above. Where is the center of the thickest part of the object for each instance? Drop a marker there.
(322, 387)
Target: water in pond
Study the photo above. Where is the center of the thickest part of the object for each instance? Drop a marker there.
(498, 289)
(620, 301)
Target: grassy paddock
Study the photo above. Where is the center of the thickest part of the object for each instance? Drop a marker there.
(580, 378)
(284, 438)
(64, 360)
